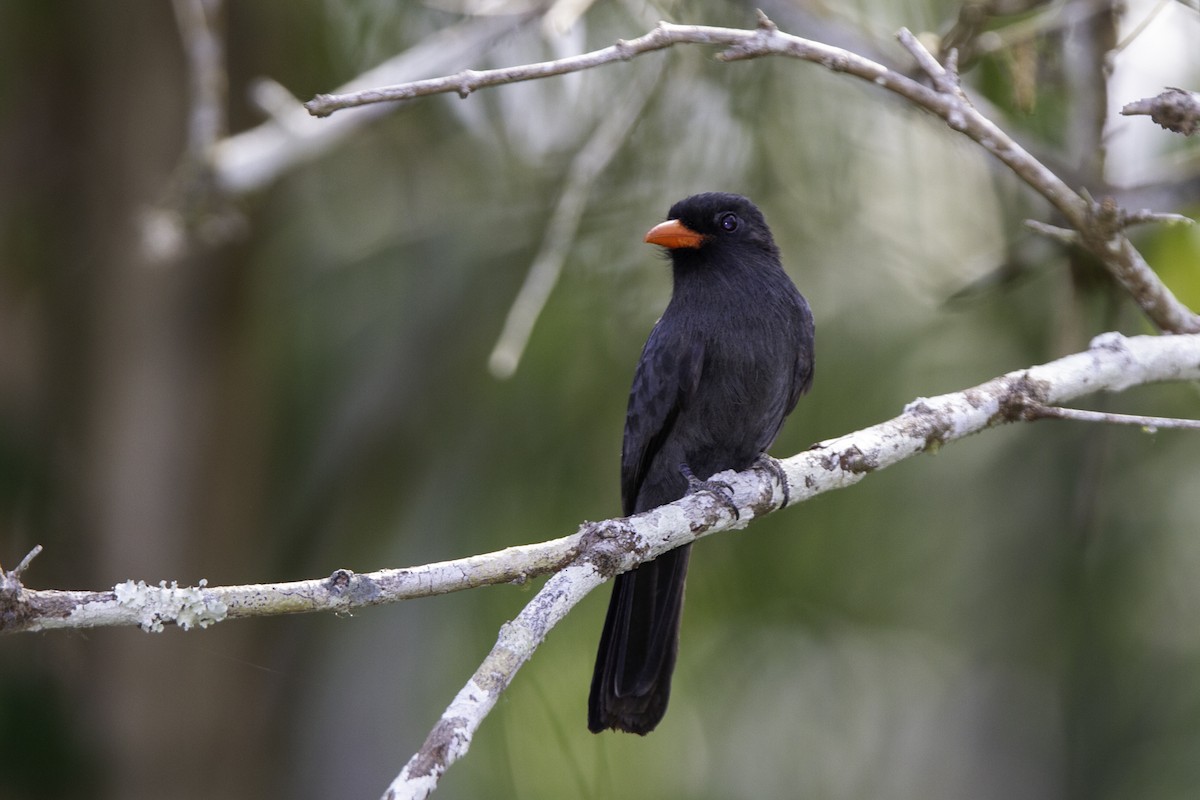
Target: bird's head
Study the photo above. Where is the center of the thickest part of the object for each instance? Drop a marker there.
(706, 226)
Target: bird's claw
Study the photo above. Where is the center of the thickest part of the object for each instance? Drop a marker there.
(721, 490)
(773, 468)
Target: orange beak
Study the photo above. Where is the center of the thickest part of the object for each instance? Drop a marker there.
(673, 234)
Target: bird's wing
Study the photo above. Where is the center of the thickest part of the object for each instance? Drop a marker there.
(666, 378)
(802, 369)
(802, 375)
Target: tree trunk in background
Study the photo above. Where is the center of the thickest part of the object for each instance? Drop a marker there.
(140, 343)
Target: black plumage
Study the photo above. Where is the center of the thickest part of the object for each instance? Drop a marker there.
(721, 370)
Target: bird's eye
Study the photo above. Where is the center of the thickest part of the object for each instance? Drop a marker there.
(729, 222)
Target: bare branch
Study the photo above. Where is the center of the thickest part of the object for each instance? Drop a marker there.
(1113, 363)
(451, 737)
(152, 607)
(1100, 227)
(1175, 110)
(465, 82)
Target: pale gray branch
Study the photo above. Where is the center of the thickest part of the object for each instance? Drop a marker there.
(451, 736)
(152, 607)
(1112, 363)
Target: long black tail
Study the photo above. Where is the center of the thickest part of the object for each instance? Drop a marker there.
(632, 681)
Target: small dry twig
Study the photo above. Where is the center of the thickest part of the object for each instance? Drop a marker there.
(1176, 110)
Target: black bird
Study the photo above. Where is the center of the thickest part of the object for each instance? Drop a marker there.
(722, 368)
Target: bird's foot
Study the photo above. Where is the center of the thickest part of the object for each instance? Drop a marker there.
(721, 490)
(773, 468)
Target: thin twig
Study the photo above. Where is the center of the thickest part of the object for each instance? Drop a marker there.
(27, 560)
(1064, 235)
(1128, 220)
(1110, 418)
(1145, 216)
(465, 82)
(945, 78)
(12, 605)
